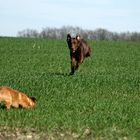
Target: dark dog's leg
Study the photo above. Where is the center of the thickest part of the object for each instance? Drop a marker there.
(80, 60)
(78, 64)
(72, 70)
(73, 66)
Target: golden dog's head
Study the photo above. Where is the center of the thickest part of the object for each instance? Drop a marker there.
(33, 101)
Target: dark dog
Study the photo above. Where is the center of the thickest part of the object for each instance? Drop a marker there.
(79, 49)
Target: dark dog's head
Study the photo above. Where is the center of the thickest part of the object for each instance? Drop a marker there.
(73, 43)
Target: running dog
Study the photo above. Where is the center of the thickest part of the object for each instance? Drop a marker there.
(79, 50)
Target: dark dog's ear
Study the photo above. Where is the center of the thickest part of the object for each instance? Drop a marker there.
(68, 37)
(78, 37)
(33, 99)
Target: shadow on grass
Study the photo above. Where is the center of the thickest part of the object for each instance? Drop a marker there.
(2, 106)
(58, 74)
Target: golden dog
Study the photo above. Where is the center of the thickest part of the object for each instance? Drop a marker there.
(15, 98)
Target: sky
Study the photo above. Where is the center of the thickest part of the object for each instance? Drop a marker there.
(113, 15)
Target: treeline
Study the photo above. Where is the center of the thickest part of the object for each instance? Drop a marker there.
(98, 34)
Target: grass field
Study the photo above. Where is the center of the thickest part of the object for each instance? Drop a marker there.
(101, 101)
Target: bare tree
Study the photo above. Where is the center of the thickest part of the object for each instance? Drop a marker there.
(28, 33)
(98, 34)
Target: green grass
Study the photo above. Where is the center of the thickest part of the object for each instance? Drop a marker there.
(103, 96)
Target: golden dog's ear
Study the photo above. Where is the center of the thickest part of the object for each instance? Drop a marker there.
(33, 99)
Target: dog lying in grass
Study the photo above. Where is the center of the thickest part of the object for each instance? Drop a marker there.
(79, 50)
(15, 98)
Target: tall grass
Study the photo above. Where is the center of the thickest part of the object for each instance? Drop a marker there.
(103, 96)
